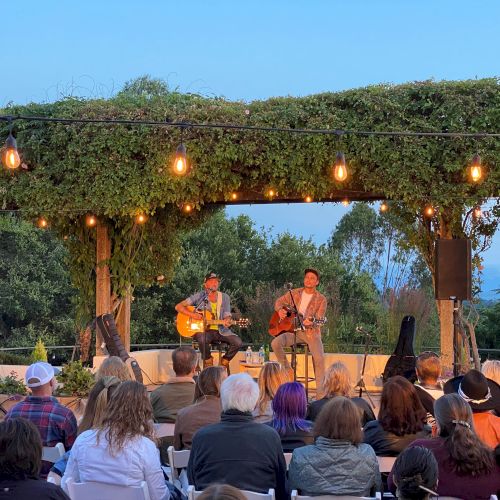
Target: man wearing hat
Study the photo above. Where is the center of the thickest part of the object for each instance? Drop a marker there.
(311, 305)
(483, 396)
(219, 304)
(56, 423)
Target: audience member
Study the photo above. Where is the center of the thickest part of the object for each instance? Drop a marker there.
(222, 492)
(206, 410)
(428, 385)
(491, 370)
(271, 376)
(92, 418)
(113, 366)
(20, 462)
(339, 463)
(415, 474)
(483, 396)
(178, 392)
(337, 382)
(401, 419)
(121, 449)
(289, 411)
(238, 451)
(56, 423)
(467, 468)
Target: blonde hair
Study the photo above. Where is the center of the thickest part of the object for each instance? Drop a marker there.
(113, 367)
(491, 370)
(271, 377)
(128, 414)
(337, 381)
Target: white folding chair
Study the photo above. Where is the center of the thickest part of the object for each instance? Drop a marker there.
(296, 496)
(288, 459)
(177, 460)
(103, 491)
(385, 464)
(250, 495)
(53, 453)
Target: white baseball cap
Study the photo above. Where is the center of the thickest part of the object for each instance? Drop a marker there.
(40, 373)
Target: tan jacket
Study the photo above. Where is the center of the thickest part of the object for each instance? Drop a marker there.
(315, 309)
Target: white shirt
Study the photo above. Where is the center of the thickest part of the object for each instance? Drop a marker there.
(304, 302)
(139, 460)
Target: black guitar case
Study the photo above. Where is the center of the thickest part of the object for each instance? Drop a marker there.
(403, 360)
(107, 327)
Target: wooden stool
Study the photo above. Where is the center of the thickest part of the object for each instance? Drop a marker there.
(216, 345)
(306, 378)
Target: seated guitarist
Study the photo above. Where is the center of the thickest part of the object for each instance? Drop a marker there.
(219, 304)
(311, 305)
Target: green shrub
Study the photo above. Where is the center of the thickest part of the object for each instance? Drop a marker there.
(76, 379)
(12, 385)
(7, 358)
(39, 352)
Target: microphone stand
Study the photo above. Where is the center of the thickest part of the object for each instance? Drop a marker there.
(361, 383)
(297, 325)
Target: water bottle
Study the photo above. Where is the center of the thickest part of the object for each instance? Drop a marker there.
(262, 355)
(248, 356)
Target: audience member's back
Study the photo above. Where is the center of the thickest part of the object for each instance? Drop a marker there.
(20, 462)
(400, 421)
(238, 451)
(178, 392)
(55, 422)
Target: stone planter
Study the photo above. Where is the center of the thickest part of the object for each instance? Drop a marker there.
(75, 403)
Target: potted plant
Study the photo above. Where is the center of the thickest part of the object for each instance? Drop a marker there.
(12, 390)
(76, 382)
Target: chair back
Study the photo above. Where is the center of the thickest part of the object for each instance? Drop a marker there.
(296, 496)
(288, 458)
(177, 460)
(103, 491)
(53, 453)
(250, 495)
(385, 464)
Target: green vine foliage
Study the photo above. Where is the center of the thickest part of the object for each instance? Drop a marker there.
(116, 172)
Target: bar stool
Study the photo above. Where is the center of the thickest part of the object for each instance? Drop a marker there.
(216, 345)
(306, 378)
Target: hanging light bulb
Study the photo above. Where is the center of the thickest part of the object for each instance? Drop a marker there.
(42, 223)
(477, 213)
(345, 202)
(91, 220)
(141, 218)
(475, 170)
(308, 199)
(180, 162)
(428, 210)
(271, 193)
(187, 207)
(10, 155)
(384, 207)
(234, 196)
(340, 169)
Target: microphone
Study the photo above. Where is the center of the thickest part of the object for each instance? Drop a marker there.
(288, 286)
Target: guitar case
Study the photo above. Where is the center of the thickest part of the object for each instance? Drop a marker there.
(107, 327)
(403, 360)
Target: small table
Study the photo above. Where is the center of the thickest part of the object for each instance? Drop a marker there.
(253, 369)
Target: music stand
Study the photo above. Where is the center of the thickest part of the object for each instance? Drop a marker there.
(361, 382)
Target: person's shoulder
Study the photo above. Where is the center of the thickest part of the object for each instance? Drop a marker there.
(366, 450)
(372, 425)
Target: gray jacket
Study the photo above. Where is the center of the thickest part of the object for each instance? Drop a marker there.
(334, 467)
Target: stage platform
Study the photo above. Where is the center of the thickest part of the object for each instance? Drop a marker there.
(156, 365)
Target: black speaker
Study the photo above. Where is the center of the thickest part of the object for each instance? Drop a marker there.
(453, 267)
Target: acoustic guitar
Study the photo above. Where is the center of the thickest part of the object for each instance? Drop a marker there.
(287, 324)
(187, 326)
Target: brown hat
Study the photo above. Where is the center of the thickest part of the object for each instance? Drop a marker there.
(480, 392)
(211, 276)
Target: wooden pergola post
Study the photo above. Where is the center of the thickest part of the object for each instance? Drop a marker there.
(103, 279)
(123, 321)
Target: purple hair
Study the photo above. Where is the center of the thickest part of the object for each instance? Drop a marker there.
(289, 408)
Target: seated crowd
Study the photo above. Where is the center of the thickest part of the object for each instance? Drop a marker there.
(446, 437)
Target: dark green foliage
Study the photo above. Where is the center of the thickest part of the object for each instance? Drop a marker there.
(76, 379)
(12, 385)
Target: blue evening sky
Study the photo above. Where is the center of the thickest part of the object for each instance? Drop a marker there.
(248, 50)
